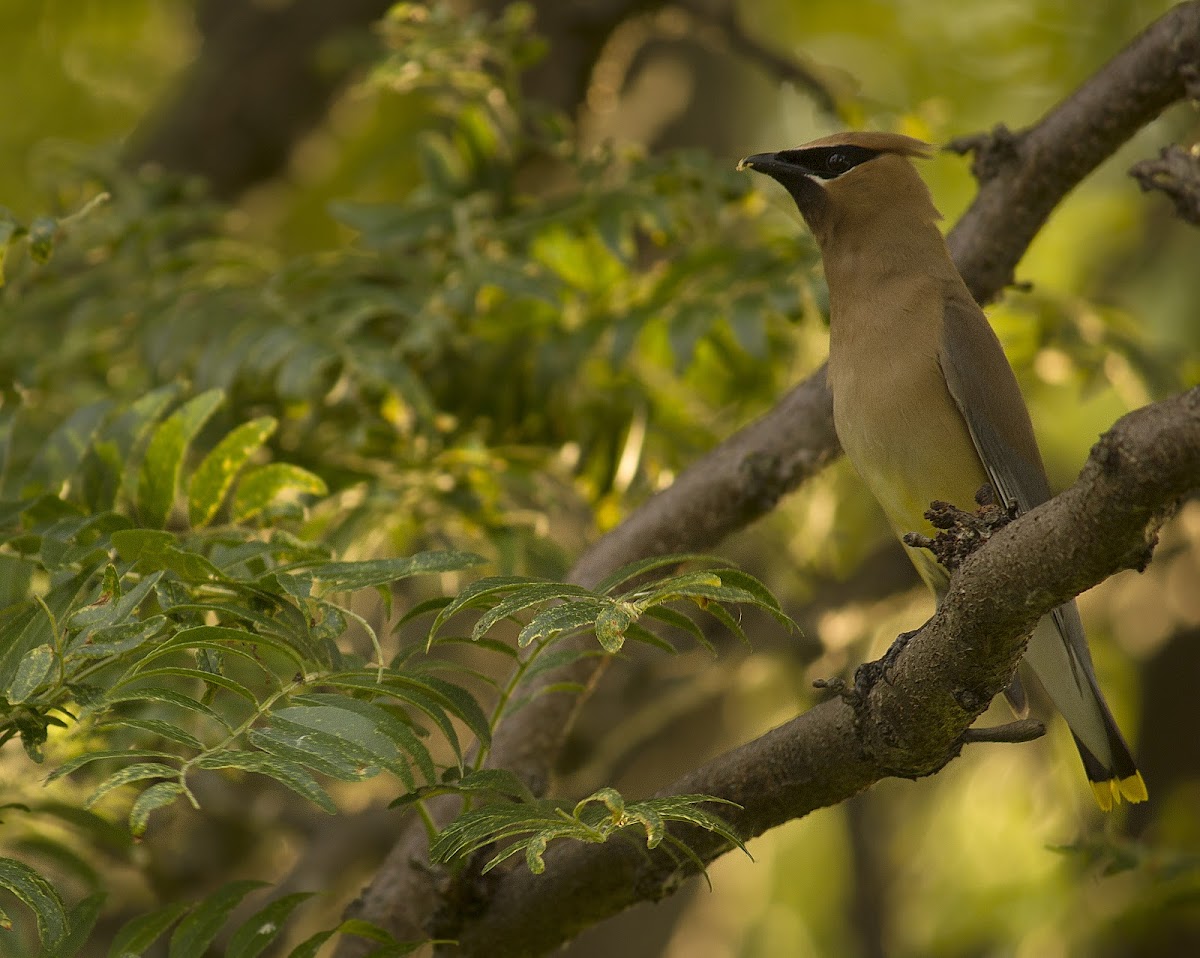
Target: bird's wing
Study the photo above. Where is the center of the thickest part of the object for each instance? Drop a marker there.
(985, 390)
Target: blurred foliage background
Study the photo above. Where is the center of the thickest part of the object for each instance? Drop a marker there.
(500, 283)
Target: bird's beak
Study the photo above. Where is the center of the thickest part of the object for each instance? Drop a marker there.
(768, 163)
(757, 160)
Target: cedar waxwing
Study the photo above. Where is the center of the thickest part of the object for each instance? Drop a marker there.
(925, 403)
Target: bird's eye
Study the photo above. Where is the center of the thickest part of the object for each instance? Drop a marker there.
(838, 163)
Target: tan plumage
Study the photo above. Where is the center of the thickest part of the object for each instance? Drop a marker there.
(925, 403)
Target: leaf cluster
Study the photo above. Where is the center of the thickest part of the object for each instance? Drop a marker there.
(197, 430)
(213, 644)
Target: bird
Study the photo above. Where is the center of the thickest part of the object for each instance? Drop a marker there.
(925, 403)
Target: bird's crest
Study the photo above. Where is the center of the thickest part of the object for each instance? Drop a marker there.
(872, 140)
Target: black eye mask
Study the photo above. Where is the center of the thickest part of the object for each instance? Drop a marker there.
(827, 162)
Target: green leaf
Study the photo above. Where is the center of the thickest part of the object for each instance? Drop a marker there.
(211, 481)
(357, 728)
(640, 634)
(477, 593)
(348, 576)
(163, 462)
(117, 607)
(287, 773)
(222, 638)
(81, 920)
(379, 722)
(561, 618)
(437, 603)
(457, 700)
(81, 760)
(60, 453)
(197, 931)
(737, 579)
(498, 822)
(260, 487)
(214, 679)
(156, 796)
(525, 597)
(264, 926)
(153, 549)
(168, 730)
(116, 639)
(311, 945)
(643, 566)
(154, 693)
(110, 467)
(497, 782)
(320, 751)
(721, 614)
(38, 895)
(140, 933)
(429, 695)
(137, 772)
(679, 620)
(611, 624)
(32, 670)
(530, 827)
(688, 585)
(685, 808)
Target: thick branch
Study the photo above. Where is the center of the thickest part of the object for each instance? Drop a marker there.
(1024, 176)
(909, 726)
(745, 476)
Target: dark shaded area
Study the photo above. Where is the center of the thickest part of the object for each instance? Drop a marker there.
(264, 77)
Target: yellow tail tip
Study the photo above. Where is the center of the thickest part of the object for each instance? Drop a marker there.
(1133, 788)
(1104, 795)
(1115, 790)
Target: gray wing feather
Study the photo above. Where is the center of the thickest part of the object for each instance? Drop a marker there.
(986, 393)
(985, 390)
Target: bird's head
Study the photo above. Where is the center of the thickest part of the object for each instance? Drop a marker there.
(850, 175)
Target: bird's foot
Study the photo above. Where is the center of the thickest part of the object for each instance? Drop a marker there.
(960, 532)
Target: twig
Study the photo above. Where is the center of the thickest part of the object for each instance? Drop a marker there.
(1022, 730)
(728, 30)
(1176, 173)
(1029, 172)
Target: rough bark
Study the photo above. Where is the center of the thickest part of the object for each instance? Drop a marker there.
(746, 475)
(743, 478)
(1023, 176)
(908, 726)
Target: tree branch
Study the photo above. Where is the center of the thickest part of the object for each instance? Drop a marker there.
(909, 726)
(1023, 176)
(728, 29)
(744, 477)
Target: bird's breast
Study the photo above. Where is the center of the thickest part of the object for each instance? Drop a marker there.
(898, 423)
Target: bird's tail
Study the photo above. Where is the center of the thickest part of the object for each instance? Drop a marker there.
(1114, 780)
(1059, 657)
